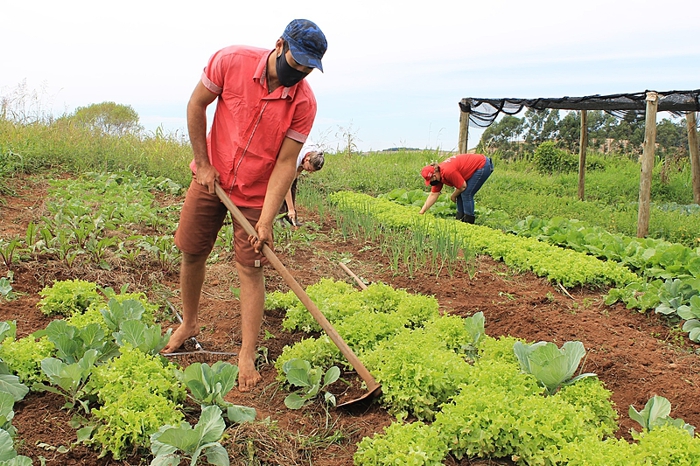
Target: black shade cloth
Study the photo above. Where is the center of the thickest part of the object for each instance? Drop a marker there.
(483, 112)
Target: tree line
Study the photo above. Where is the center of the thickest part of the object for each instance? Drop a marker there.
(514, 137)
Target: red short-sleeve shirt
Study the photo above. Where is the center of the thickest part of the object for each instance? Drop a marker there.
(249, 123)
(458, 169)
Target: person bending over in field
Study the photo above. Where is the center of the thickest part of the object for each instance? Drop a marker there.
(464, 172)
(264, 114)
(310, 159)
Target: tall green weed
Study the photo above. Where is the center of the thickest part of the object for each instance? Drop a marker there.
(62, 146)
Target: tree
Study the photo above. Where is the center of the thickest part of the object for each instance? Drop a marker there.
(630, 128)
(671, 137)
(108, 118)
(570, 131)
(541, 126)
(502, 135)
(503, 131)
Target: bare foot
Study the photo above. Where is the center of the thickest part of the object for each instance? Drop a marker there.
(248, 376)
(178, 338)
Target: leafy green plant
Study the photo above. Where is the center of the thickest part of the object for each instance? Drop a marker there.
(8, 455)
(550, 159)
(10, 384)
(72, 342)
(193, 442)
(421, 368)
(476, 330)
(68, 297)
(208, 385)
(655, 414)
(69, 380)
(125, 422)
(117, 312)
(8, 250)
(311, 382)
(674, 294)
(320, 352)
(500, 413)
(138, 394)
(7, 403)
(23, 357)
(443, 207)
(148, 339)
(6, 289)
(691, 312)
(97, 248)
(120, 374)
(413, 443)
(639, 294)
(553, 367)
(163, 249)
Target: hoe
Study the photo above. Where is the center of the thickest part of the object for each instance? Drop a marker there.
(373, 388)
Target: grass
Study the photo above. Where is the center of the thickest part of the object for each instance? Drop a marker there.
(515, 189)
(60, 147)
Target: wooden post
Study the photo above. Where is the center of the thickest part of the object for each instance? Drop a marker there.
(463, 132)
(647, 164)
(694, 153)
(583, 147)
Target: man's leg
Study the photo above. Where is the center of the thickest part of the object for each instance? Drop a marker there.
(473, 186)
(460, 208)
(192, 272)
(252, 299)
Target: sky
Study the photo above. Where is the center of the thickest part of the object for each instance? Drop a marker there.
(394, 72)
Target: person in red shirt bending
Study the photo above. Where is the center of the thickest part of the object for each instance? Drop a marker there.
(464, 172)
(264, 114)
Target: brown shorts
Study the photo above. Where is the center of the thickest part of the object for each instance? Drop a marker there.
(201, 219)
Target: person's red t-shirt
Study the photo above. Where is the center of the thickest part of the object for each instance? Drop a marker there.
(249, 123)
(457, 169)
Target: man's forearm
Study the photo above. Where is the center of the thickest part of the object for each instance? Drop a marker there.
(290, 201)
(197, 129)
(281, 180)
(278, 186)
(430, 200)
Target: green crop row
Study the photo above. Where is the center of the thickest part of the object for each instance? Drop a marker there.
(105, 360)
(669, 273)
(96, 219)
(559, 265)
(467, 391)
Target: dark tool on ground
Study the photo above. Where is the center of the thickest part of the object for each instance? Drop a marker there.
(200, 354)
(373, 388)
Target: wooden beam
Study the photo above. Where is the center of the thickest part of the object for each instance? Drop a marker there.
(463, 132)
(647, 164)
(694, 153)
(583, 147)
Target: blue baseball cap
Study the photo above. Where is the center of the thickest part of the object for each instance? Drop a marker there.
(306, 42)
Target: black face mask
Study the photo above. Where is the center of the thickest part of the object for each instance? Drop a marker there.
(287, 75)
(434, 182)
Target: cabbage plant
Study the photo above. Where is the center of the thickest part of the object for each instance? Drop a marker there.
(553, 367)
(655, 414)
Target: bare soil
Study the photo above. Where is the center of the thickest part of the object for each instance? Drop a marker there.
(635, 355)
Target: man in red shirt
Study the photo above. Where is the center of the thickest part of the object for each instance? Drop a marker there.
(264, 114)
(464, 172)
